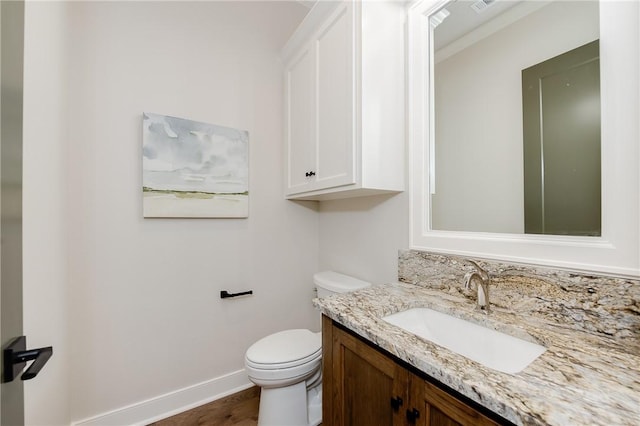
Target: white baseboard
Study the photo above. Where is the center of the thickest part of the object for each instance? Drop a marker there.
(169, 404)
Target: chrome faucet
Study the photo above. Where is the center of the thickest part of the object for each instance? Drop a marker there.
(483, 281)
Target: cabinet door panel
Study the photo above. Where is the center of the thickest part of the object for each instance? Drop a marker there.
(335, 100)
(368, 381)
(438, 418)
(371, 407)
(300, 133)
(438, 408)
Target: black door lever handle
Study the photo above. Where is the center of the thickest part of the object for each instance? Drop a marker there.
(16, 356)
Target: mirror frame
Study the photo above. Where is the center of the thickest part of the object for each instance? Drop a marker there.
(617, 251)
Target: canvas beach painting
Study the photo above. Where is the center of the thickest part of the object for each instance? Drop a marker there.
(193, 170)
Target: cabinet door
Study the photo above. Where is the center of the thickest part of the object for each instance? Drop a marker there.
(300, 124)
(434, 407)
(367, 387)
(335, 52)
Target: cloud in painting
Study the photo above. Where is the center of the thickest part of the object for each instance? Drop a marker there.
(186, 155)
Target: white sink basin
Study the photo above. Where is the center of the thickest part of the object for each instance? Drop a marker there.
(488, 347)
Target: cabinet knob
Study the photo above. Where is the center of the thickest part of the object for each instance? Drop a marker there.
(413, 415)
(309, 174)
(396, 403)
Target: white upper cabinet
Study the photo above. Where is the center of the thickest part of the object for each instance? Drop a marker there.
(344, 101)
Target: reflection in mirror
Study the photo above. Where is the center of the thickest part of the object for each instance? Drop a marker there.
(561, 129)
(516, 117)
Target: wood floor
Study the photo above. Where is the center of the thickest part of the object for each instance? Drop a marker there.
(239, 409)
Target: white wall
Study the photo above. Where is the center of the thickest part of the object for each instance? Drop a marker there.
(45, 211)
(479, 166)
(361, 236)
(142, 296)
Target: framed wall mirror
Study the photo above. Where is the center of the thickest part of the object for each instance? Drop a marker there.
(523, 145)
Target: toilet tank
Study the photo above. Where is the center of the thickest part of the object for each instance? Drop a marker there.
(330, 282)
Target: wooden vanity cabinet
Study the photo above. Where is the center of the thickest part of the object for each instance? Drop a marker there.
(364, 386)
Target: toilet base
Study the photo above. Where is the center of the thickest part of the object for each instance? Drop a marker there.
(314, 405)
(290, 406)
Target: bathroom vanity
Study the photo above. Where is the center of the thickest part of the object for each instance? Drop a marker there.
(378, 373)
(369, 386)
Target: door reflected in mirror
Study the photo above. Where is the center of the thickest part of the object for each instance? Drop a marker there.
(516, 145)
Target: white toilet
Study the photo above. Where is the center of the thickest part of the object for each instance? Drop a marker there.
(288, 365)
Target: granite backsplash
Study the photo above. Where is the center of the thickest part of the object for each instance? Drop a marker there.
(594, 304)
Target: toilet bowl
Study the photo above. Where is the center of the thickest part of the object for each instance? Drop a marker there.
(287, 365)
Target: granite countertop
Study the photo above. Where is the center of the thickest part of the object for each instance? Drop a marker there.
(582, 379)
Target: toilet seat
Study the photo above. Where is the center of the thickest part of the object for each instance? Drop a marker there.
(285, 349)
(285, 357)
(284, 376)
(284, 365)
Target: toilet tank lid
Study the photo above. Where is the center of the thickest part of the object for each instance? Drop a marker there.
(337, 282)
